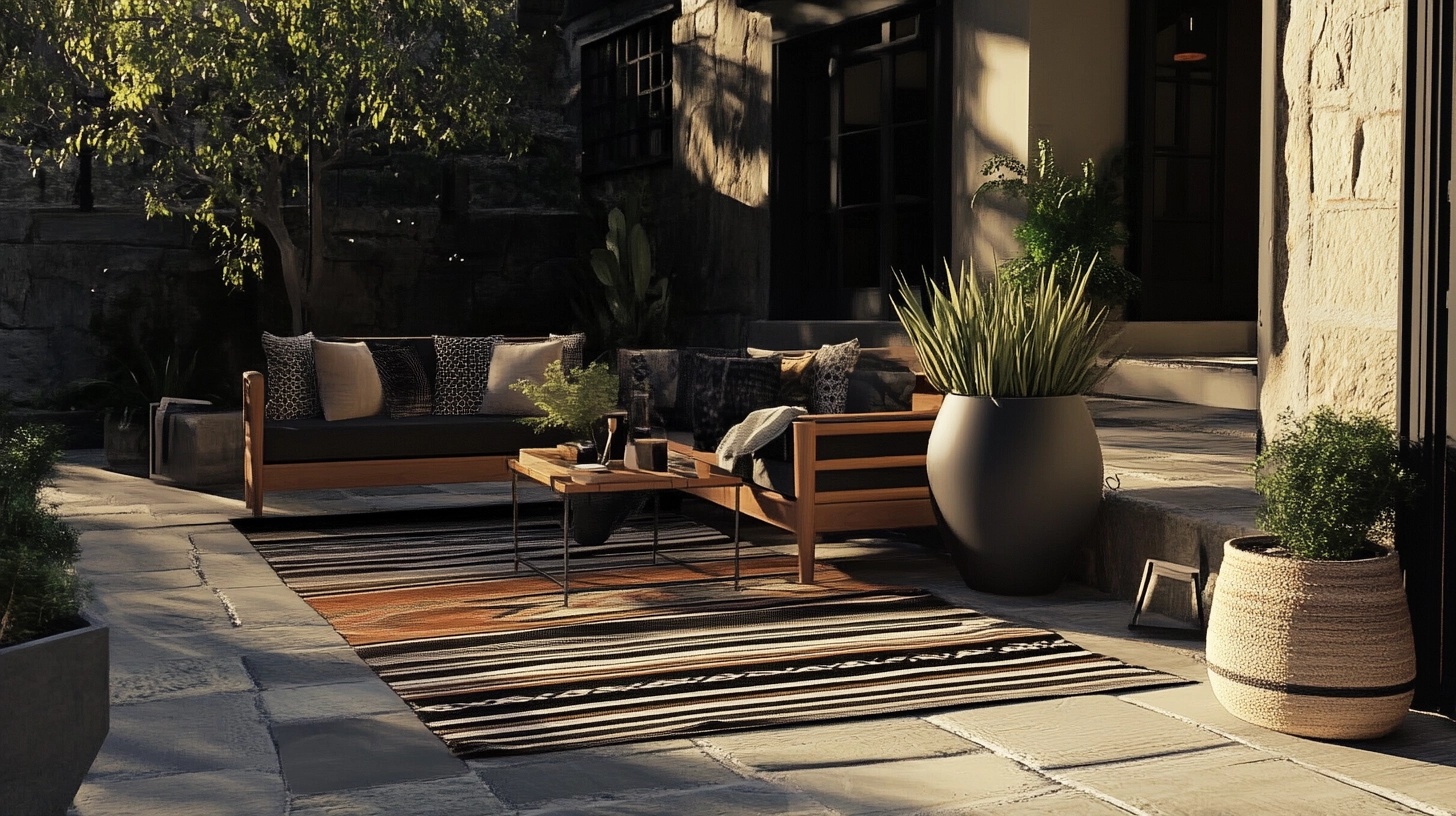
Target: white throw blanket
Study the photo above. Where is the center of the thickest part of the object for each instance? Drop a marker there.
(735, 452)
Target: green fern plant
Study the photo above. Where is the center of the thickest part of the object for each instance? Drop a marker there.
(990, 338)
(1331, 484)
(574, 400)
(1071, 223)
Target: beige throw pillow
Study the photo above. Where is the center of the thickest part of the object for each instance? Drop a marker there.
(348, 382)
(510, 362)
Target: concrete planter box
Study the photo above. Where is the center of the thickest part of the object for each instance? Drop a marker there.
(125, 440)
(55, 710)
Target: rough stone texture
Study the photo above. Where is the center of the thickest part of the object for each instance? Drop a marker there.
(956, 784)
(1337, 243)
(338, 754)
(233, 793)
(208, 732)
(839, 744)
(463, 796)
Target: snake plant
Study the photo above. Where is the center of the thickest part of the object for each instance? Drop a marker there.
(992, 338)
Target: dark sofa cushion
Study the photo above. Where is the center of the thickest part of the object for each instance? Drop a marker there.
(380, 437)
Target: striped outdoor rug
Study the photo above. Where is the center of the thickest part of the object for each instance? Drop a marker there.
(494, 663)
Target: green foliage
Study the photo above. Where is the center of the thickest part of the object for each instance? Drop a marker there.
(40, 594)
(628, 307)
(989, 338)
(233, 110)
(574, 400)
(1331, 484)
(1071, 223)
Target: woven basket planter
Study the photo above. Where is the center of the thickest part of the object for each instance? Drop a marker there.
(1314, 648)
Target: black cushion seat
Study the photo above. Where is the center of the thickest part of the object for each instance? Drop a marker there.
(420, 437)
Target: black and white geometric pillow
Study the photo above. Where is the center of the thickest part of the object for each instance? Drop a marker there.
(406, 386)
(829, 377)
(291, 380)
(462, 369)
(684, 410)
(573, 350)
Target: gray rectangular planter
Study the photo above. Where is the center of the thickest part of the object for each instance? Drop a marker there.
(55, 710)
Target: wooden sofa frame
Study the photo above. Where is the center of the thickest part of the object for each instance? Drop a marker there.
(260, 476)
(811, 512)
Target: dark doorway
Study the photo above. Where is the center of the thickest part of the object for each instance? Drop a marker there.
(1193, 145)
(1426, 536)
(859, 182)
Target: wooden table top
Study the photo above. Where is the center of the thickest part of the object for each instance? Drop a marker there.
(548, 467)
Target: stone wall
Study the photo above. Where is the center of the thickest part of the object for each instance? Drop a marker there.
(707, 210)
(1333, 323)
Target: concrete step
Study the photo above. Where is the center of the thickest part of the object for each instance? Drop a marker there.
(1178, 487)
(1215, 380)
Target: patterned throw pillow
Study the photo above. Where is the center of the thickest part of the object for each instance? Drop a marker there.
(829, 377)
(292, 384)
(727, 389)
(793, 376)
(406, 386)
(462, 370)
(683, 411)
(573, 350)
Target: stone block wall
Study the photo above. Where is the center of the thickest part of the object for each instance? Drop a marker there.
(1336, 273)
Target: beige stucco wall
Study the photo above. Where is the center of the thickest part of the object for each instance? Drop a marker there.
(1332, 335)
(1025, 70)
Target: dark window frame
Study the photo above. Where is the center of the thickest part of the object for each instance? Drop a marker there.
(626, 97)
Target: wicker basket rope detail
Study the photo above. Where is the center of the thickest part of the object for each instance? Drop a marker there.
(1314, 648)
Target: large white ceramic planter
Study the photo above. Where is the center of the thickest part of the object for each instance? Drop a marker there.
(1314, 648)
(55, 710)
(1016, 483)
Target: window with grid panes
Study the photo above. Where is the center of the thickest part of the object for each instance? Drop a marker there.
(626, 96)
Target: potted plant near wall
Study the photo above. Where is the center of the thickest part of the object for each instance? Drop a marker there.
(54, 664)
(1072, 223)
(1014, 464)
(1309, 631)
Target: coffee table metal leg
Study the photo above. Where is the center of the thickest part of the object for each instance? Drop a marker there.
(515, 524)
(566, 550)
(655, 506)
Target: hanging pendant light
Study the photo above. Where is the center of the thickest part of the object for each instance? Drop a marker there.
(1191, 37)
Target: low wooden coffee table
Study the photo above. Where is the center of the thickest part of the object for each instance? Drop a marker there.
(549, 468)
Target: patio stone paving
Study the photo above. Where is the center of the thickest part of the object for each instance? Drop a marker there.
(231, 696)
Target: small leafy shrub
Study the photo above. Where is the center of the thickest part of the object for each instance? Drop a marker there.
(574, 400)
(1331, 484)
(1071, 223)
(40, 594)
(990, 338)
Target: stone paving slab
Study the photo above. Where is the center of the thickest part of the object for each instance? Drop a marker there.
(1055, 802)
(746, 799)
(157, 680)
(1092, 729)
(108, 552)
(161, 612)
(1415, 761)
(846, 743)
(274, 670)
(222, 542)
(955, 783)
(227, 571)
(319, 756)
(207, 732)
(617, 771)
(270, 605)
(354, 699)
(1229, 780)
(463, 796)
(248, 793)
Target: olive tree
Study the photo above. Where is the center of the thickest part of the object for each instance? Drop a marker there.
(233, 110)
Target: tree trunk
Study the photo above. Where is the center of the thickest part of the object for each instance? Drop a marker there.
(270, 216)
(316, 168)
